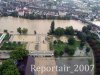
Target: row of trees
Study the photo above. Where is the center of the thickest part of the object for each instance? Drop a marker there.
(37, 16)
(11, 45)
(22, 31)
(61, 31)
(94, 42)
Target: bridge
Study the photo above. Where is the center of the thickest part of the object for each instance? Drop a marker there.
(42, 53)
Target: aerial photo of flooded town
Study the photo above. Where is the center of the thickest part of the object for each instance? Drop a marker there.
(49, 37)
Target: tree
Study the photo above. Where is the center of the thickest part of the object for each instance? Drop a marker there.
(14, 14)
(55, 42)
(68, 17)
(5, 31)
(87, 49)
(24, 31)
(86, 29)
(9, 68)
(92, 19)
(58, 53)
(18, 54)
(71, 41)
(59, 31)
(0, 69)
(52, 27)
(69, 50)
(6, 63)
(19, 30)
(69, 31)
(82, 36)
(82, 44)
(35, 32)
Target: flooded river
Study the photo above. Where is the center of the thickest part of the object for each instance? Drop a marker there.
(41, 26)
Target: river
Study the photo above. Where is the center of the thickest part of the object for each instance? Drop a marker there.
(41, 26)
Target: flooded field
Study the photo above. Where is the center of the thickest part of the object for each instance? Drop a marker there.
(71, 62)
(38, 43)
(41, 26)
(32, 41)
(58, 66)
(45, 62)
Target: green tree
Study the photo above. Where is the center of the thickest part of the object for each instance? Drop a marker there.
(82, 36)
(19, 54)
(69, 50)
(0, 69)
(35, 32)
(71, 41)
(82, 44)
(59, 31)
(58, 53)
(19, 30)
(6, 63)
(87, 49)
(5, 31)
(52, 27)
(9, 68)
(24, 31)
(55, 42)
(69, 31)
(86, 29)
(14, 14)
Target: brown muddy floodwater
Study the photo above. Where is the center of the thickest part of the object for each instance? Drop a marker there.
(41, 26)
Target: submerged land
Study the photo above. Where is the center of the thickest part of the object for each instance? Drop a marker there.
(53, 42)
(49, 35)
